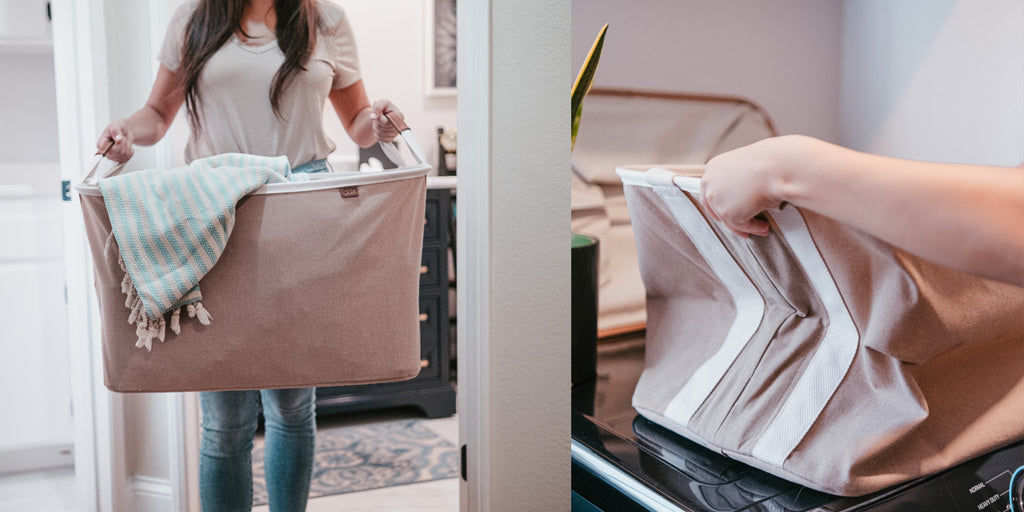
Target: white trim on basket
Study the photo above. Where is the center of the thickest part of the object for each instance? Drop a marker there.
(830, 362)
(317, 181)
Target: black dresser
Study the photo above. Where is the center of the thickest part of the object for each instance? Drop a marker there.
(433, 390)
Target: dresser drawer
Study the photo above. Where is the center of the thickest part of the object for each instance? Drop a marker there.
(430, 319)
(431, 271)
(429, 360)
(432, 220)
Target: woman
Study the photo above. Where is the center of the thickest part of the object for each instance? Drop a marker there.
(968, 217)
(254, 76)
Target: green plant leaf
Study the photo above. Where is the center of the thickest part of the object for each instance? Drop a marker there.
(584, 80)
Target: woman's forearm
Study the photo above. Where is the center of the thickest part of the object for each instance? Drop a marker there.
(360, 129)
(148, 125)
(969, 217)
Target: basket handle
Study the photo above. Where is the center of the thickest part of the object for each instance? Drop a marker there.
(99, 156)
(391, 148)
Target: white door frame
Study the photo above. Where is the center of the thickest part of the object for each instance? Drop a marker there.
(513, 231)
(78, 53)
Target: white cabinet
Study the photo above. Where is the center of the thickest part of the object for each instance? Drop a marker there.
(25, 26)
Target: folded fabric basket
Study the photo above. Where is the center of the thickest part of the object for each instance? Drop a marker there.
(314, 283)
(818, 353)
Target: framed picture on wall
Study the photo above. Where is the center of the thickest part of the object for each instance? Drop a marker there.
(440, 45)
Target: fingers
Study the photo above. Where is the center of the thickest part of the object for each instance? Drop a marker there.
(707, 204)
(122, 150)
(755, 225)
(385, 107)
(380, 111)
(116, 142)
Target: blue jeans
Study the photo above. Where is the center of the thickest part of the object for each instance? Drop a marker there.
(313, 166)
(225, 452)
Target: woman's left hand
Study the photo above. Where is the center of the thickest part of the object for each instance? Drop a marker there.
(382, 128)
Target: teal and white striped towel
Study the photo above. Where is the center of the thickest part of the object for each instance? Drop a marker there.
(170, 227)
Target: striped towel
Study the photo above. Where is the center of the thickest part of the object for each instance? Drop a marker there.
(170, 227)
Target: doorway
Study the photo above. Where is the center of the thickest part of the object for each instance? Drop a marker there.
(519, 354)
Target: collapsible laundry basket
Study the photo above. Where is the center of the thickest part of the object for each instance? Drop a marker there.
(818, 353)
(317, 286)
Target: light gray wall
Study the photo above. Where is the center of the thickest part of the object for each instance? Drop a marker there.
(783, 54)
(935, 79)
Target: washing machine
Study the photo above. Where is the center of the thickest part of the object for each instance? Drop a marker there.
(622, 462)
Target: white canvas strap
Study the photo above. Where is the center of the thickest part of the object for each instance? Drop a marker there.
(749, 303)
(831, 360)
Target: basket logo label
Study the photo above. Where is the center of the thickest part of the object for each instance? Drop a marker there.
(349, 191)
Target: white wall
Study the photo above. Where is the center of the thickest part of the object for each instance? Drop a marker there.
(390, 35)
(935, 79)
(930, 79)
(784, 55)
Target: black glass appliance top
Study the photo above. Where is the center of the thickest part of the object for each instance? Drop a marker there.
(623, 462)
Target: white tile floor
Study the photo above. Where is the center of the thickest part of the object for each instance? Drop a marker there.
(54, 490)
(51, 490)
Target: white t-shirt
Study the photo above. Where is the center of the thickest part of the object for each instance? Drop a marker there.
(235, 111)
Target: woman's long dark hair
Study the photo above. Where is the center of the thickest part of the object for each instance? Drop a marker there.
(215, 21)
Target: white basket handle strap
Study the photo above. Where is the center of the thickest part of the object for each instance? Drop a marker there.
(391, 148)
(99, 157)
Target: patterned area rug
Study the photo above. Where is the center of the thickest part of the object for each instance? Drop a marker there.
(362, 457)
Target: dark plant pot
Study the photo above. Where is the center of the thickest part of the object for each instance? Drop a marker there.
(584, 307)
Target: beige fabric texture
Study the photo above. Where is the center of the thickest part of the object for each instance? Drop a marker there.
(236, 115)
(937, 377)
(313, 289)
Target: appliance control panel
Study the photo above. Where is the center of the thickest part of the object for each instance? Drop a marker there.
(980, 485)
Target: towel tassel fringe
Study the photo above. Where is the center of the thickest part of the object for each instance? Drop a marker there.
(176, 321)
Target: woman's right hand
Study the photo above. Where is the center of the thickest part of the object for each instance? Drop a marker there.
(120, 133)
(741, 184)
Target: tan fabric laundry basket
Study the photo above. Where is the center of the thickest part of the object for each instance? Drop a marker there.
(317, 286)
(818, 353)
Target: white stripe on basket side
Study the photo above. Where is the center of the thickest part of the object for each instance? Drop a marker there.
(830, 362)
(749, 303)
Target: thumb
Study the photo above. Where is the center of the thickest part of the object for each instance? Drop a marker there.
(385, 106)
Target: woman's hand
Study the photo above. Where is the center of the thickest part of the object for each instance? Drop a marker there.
(741, 184)
(382, 128)
(123, 139)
